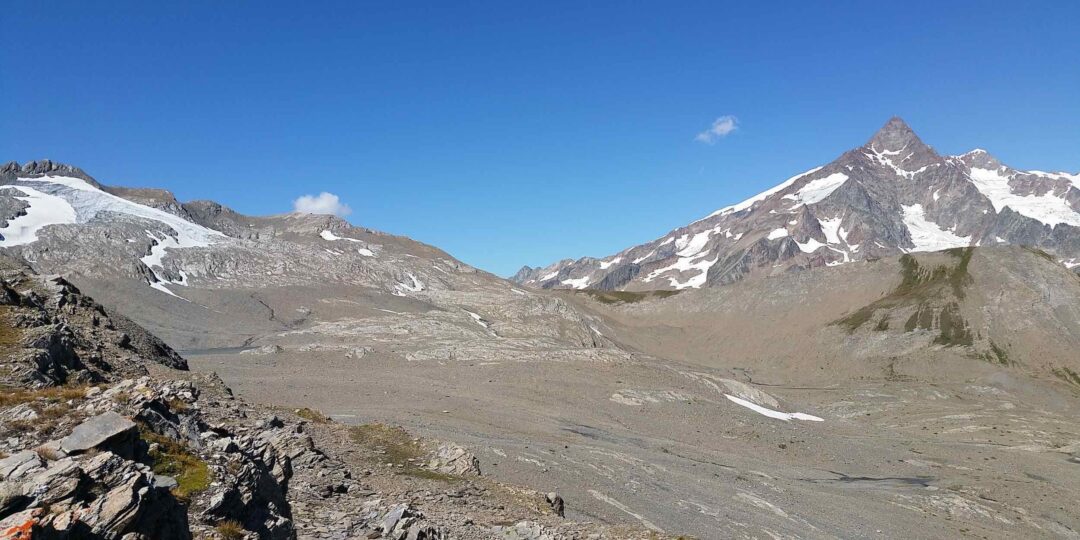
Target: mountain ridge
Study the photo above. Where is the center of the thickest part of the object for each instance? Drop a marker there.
(892, 195)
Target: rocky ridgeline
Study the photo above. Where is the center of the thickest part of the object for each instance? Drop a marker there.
(53, 334)
(103, 434)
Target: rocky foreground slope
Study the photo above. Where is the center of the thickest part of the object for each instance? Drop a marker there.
(892, 195)
(105, 435)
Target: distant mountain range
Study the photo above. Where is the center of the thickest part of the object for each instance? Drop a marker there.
(893, 195)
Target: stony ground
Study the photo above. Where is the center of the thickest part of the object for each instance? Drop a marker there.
(917, 439)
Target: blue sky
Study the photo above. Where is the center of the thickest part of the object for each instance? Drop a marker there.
(513, 133)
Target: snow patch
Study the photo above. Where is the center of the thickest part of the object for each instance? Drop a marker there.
(817, 190)
(685, 264)
(1046, 208)
(604, 265)
(43, 210)
(777, 233)
(810, 246)
(479, 320)
(577, 283)
(694, 245)
(401, 288)
(927, 235)
(771, 413)
(760, 196)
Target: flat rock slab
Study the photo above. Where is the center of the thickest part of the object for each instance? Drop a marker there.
(96, 431)
(17, 465)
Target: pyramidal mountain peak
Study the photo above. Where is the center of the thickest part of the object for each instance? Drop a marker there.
(893, 195)
(894, 136)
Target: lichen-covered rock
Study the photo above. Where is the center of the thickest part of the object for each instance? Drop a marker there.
(90, 496)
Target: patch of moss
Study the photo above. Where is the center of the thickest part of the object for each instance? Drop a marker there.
(953, 328)
(998, 354)
(395, 447)
(1041, 253)
(172, 458)
(920, 285)
(1067, 375)
(312, 415)
(626, 297)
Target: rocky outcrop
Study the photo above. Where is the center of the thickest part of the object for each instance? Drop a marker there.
(11, 170)
(449, 458)
(56, 334)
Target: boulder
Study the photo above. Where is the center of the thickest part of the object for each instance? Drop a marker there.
(108, 430)
(557, 504)
(449, 458)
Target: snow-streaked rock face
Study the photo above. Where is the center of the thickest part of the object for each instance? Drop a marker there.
(60, 220)
(892, 195)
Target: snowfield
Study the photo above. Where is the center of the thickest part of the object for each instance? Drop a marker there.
(62, 200)
(1046, 208)
(927, 235)
(44, 210)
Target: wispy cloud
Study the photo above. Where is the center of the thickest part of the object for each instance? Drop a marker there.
(720, 128)
(323, 203)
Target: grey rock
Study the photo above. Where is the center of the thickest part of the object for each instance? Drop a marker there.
(556, 503)
(164, 482)
(391, 519)
(449, 458)
(109, 430)
(18, 465)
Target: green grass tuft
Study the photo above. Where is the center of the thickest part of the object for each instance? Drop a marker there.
(172, 458)
(395, 447)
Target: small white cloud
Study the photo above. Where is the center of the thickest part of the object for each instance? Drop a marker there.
(721, 127)
(323, 203)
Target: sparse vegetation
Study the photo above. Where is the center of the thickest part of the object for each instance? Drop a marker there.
(230, 530)
(9, 333)
(173, 459)
(394, 446)
(178, 406)
(997, 354)
(10, 396)
(925, 288)
(1041, 253)
(1067, 375)
(953, 328)
(625, 297)
(312, 415)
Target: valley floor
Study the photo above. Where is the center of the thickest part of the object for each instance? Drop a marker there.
(659, 444)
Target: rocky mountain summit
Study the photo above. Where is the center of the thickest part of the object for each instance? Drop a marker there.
(893, 195)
